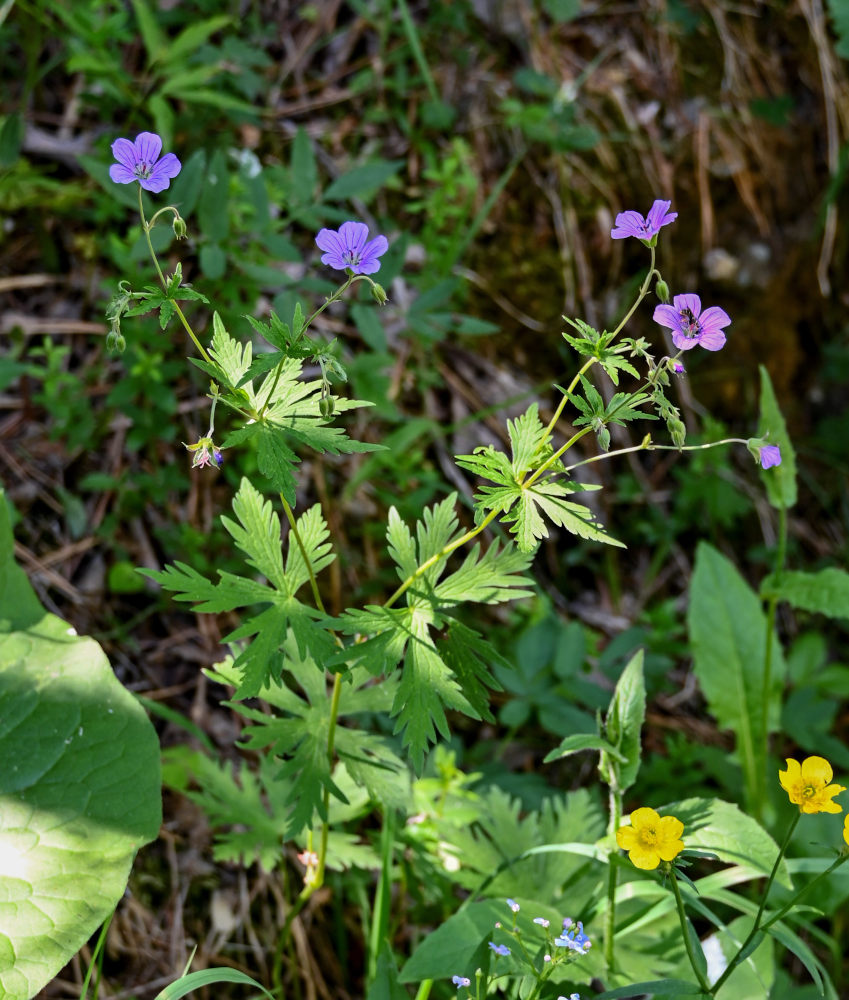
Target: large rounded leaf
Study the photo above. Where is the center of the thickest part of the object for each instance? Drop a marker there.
(79, 785)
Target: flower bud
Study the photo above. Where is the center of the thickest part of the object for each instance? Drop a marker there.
(115, 342)
(179, 227)
(661, 290)
(326, 406)
(677, 431)
(379, 293)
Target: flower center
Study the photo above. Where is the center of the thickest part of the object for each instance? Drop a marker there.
(689, 324)
(809, 791)
(648, 836)
(351, 258)
(142, 169)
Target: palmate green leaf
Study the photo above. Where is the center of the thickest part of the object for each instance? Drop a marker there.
(470, 658)
(427, 686)
(528, 525)
(380, 654)
(300, 735)
(491, 578)
(527, 434)
(625, 406)
(506, 845)
(402, 547)
(612, 362)
(257, 533)
(825, 592)
(490, 464)
(261, 365)
(234, 358)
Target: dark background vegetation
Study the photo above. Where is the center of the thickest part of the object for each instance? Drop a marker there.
(495, 143)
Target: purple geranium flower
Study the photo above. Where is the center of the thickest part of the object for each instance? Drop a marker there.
(770, 455)
(139, 161)
(633, 224)
(691, 326)
(348, 249)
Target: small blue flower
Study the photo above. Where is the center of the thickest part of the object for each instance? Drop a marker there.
(459, 981)
(576, 940)
(514, 906)
(499, 949)
(541, 921)
(572, 996)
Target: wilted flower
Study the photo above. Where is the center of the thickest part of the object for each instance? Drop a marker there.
(139, 161)
(499, 949)
(651, 838)
(691, 326)
(633, 224)
(807, 785)
(308, 858)
(205, 453)
(347, 249)
(459, 981)
(677, 367)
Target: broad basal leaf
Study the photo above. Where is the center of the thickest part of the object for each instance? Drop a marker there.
(79, 785)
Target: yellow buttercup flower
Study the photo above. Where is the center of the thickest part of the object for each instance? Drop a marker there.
(651, 838)
(807, 785)
(846, 830)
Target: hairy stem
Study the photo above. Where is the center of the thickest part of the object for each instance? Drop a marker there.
(444, 551)
(147, 226)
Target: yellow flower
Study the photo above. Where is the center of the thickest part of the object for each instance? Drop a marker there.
(650, 838)
(846, 829)
(807, 785)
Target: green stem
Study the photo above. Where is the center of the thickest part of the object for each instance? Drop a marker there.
(772, 606)
(293, 525)
(685, 930)
(444, 551)
(742, 951)
(423, 992)
(644, 288)
(614, 797)
(340, 291)
(147, 226)
(805, 889)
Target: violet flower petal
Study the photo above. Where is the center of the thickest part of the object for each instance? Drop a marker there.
(148, 146)
(124, 152)
(122, 174)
